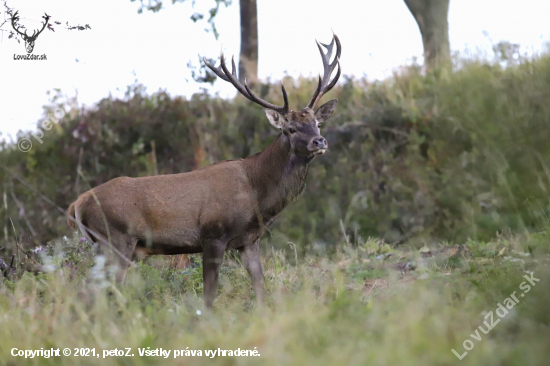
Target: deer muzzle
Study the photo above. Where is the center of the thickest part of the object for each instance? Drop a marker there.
(318, 145)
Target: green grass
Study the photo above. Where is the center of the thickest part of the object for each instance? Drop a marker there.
(368, 304)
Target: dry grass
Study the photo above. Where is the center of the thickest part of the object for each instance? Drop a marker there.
(361, 306)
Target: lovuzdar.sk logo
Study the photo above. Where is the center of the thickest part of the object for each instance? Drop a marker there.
(29, 40)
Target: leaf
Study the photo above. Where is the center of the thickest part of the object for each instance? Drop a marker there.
(196, 17)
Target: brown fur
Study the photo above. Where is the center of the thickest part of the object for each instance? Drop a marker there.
(178, 211)
(227, 205)
(72, 223)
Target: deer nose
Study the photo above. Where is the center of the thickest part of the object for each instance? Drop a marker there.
(320, 143)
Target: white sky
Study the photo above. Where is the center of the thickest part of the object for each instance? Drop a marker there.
(376, 36)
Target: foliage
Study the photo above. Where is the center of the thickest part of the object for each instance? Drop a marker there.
(411, 159)
(200, 73)
(156, 6)
(319, 311)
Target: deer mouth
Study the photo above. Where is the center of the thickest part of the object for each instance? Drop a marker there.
(319, 151)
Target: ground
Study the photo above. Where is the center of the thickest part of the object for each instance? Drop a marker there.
(367, 303)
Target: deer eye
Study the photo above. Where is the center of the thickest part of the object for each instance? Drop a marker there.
(318, 125)
(291, 130)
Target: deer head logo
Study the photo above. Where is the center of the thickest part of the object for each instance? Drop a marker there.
(29, 40)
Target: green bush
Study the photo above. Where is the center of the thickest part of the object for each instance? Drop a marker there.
(412, 158)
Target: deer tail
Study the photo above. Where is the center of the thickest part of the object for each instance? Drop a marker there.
(71, 219)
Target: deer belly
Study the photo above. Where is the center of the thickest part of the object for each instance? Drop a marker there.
(175, 241)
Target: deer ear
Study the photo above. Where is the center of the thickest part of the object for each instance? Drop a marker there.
(324, 112)
(275, 118)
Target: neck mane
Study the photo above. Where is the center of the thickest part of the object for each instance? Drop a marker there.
(277, 176)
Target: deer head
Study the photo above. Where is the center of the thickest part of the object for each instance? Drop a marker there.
(29, 40)
(301, 128)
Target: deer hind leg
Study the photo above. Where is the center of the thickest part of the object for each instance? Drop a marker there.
(212, 259)
(118, 255)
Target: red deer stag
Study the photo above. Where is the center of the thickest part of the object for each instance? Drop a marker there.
(227, 205)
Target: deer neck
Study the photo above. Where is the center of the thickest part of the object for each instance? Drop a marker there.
(277, 176)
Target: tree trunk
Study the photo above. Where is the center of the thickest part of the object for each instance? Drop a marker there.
(248, 59)
(431, 16)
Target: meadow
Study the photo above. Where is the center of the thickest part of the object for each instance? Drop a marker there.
(366, 304)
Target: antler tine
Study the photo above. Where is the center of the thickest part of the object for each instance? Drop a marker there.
(285, 95)
(313, 100)
(333, 82)
(232, 78)
(217, 70)
(223, 72)
(325, 84)
(14, 19)
(47, 18)
(283, 110)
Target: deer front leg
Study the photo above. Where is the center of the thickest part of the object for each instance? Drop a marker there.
(212, 259)
(250, 256)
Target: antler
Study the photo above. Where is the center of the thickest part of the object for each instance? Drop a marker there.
(34, 34)
(14, 19)
(324, 86)
(223, 72)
